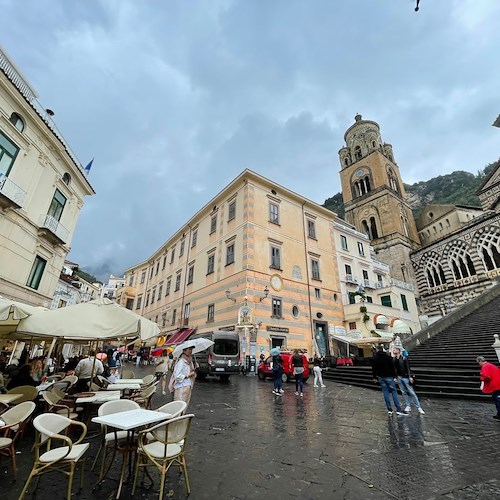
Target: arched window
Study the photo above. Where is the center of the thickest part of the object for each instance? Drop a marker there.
(366, 229)
(357, 153)
(488, 247)
(66, 179)
(373, 228)
(434, 272)
(17, 121)
(461, 263)
(367, 184)
(346, 161)
(404, 223)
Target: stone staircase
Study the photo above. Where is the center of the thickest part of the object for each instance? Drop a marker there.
(445, 364)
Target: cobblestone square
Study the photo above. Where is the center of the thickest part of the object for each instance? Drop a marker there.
(336, 442)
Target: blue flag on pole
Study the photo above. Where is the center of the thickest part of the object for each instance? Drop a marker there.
(89, 166)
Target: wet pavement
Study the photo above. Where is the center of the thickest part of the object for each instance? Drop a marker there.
(336, 442)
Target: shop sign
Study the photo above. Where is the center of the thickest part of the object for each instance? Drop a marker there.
(277, 329)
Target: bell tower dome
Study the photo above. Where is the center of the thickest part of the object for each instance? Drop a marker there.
(375, 198)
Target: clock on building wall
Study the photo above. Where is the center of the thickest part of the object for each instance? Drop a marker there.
(276, 282)
(359, 173)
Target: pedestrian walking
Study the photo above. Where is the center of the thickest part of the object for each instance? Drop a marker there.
(277, 373)
(490, 381)
(384, 373)
(184, 376)
(161, 370)
(298, 371)
(405, 380)
(318, 378)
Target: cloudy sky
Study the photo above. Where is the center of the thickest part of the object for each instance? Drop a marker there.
(176, 98)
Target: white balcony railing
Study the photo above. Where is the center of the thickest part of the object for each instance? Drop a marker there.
(402, 284)
(351, 279)
(12, 191)
(55, 227)
(369, 284)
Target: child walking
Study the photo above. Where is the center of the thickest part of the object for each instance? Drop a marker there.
(318, 378)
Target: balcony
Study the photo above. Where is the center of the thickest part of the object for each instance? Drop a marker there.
(11, 195)
(369, 284)
(53, 230)
(402, 284)
(349, 278)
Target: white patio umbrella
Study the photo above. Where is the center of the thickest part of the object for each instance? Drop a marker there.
(99, 319)
(198, 345)
(12, 312)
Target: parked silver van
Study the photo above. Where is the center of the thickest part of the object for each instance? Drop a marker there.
(223, 358)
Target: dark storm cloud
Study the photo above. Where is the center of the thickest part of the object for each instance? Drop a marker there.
(176, 98)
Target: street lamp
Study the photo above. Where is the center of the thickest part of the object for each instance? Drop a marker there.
(228, 297)
(266, 293)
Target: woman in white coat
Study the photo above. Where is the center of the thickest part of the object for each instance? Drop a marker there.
(184, 376)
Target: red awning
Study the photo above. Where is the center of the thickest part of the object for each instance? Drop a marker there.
(178, 337)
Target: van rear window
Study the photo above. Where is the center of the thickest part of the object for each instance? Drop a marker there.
(226, 347)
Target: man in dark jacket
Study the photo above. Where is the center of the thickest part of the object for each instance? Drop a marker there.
(405, 380)
(384, 373)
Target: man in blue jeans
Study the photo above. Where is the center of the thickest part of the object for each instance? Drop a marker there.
(405, 380)
(384, 372)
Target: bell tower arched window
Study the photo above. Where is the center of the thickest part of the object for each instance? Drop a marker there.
(362, 186)
(357, 153)
(373, 228)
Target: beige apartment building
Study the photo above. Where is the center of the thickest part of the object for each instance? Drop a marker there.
(375, 304)
(258, 259)
(42, 190)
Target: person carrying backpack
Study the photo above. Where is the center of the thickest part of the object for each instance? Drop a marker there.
(277, 373)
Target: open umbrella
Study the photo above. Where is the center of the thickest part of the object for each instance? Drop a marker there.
(198, 345)
(11, 314)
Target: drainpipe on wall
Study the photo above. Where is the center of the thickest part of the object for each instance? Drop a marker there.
(314, 344)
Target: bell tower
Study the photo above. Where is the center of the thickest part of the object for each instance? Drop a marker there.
(375, 198)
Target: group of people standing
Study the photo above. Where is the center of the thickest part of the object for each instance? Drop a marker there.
(298, 363)
(391, 370)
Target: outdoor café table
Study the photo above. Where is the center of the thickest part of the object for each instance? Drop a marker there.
(9, 398)
(129, 381)
(123, 387)
(129, 421)
(44, 386)
(99, 397)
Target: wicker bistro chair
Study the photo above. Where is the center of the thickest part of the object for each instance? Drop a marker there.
(29, 393)
(174, 409)
(111, 439)
(55, 405)
(61, 458)
(144, 397)
(72, 379)
(167, 449)
(15, 419)
(127, 374)
(148, 380)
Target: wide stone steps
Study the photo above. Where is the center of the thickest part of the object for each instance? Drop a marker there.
(429, 383)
